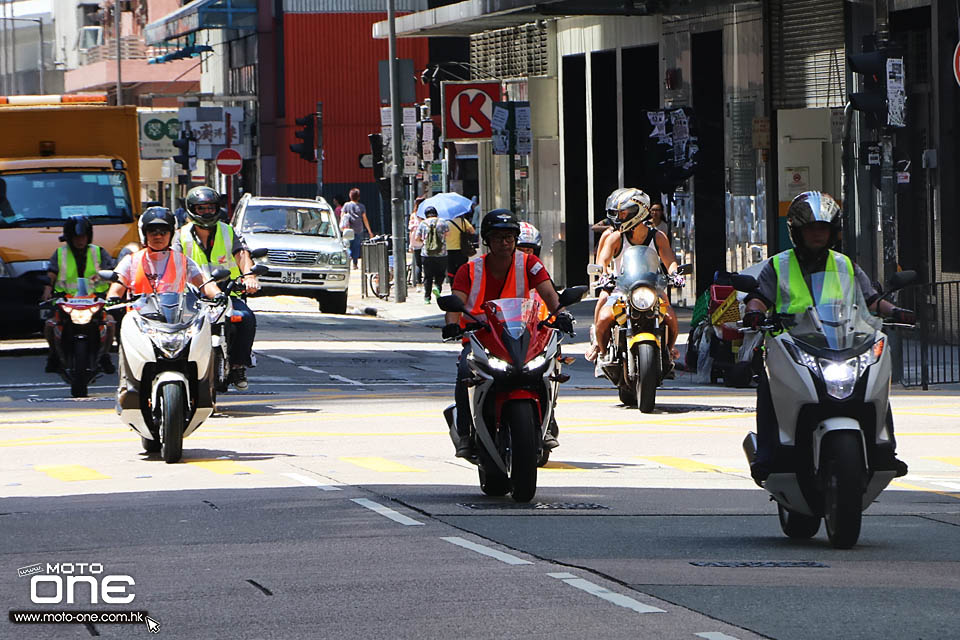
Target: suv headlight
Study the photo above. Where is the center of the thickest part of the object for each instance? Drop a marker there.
(339, 257)
(643, 297)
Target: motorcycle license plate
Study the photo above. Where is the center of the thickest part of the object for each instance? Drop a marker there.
(290, 277)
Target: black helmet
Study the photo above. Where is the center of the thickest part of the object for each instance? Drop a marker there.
(203, 195)
(77, 226)
(810, 207)
(498, 219)
(156, 217)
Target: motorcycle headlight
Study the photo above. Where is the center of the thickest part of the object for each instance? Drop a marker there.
(535, 363)
(81, 316)
(170, 343)
(643, 297)
(801, 357)
(839, 376)
(499, 365)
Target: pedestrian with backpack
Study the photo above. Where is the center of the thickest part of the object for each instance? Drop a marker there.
(432, 232)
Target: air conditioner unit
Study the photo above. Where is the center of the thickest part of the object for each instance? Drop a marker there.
(90, 37)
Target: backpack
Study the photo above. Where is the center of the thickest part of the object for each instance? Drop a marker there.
(432, 244)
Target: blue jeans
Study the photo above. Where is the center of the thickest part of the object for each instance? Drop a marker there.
(355, 249)
(242, 334)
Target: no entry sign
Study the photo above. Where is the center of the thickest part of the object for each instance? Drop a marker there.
(229, 162)
(956, 63)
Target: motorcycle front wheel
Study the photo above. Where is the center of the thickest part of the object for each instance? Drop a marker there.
(172, 414)
(81, 364)
(843, 489)
(519, 419)
(648, 376)
(493, 482)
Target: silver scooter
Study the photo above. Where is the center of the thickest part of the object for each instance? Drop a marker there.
(166, 367)
(829, 374)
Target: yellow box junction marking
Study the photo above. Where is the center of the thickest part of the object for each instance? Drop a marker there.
(561, 466)
(685, 464)
(70, 472)
(382, 464)
(223, 467)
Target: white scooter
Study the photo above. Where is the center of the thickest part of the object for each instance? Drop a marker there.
(829, 374)
(166, 367)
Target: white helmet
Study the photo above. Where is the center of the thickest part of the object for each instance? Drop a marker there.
(637, 205)
(530, 237)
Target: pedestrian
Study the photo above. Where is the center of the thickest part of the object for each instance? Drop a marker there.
(338, 206)
(432, 234)
(460, 245)
(353, 215)
(181, 213)
(658, 220)
(415, 244)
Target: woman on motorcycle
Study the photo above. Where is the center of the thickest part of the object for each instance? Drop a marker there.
(632, 209)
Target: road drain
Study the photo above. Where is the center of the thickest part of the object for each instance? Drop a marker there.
(764, 564)
(533, 506)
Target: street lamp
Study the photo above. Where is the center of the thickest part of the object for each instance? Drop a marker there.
(39, 22)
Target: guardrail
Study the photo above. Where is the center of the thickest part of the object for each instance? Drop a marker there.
(931, 353)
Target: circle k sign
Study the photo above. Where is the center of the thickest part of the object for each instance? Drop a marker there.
(467, 109)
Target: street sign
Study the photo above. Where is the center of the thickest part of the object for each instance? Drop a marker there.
(467, 109)
(229, 162)
(158, 130)
(366, 160)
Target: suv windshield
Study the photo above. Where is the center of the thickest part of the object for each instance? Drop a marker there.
(44, 198)
(308, 221)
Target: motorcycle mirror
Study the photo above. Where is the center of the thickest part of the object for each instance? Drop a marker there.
(451, 303)
(259, 269)
(900, 279)
(684, 269)
(571, 295)
(259, 253)
(109, 276)
(219, 275)
(347, 234)
(743, 283)
(594, 270)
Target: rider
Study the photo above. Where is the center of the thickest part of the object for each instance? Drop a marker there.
(212, 244)
(77, 258)
(633, 217)
(504, 272)
(814, 221)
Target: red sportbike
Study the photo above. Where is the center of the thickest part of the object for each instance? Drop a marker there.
(514, 361)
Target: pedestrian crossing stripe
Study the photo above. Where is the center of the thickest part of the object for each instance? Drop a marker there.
(70, 472)
(382, 464)
(223, 467)
(693, 466)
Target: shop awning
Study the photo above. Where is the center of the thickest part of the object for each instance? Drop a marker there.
(473, 16)
(203, 14)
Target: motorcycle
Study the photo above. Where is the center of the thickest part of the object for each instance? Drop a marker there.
(166, 367)
(222, 319)
(79, 336)
(637, 357)
(829, 374)
(514, 359)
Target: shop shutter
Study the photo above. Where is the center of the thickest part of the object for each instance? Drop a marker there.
(807, 53)
(515, 52)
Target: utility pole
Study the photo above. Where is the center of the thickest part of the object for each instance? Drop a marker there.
(888, 185)
(396, 181)
(116, 35)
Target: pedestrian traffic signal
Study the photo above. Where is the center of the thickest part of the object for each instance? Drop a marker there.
(379, 166)
(307, 149)
(882, 73)
(183, 150)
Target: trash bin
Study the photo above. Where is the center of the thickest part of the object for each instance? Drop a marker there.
(376, 268)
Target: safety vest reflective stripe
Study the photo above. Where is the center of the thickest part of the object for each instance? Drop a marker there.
(515, 284)
(68, 278)
(174, 278)
(220, 255)
(793, 294)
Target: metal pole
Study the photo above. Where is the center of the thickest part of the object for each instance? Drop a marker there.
(116, 35)
(13, 48)
(396, 182)
(319, 151)
(230, 176)
(40, 78)
(3, 48)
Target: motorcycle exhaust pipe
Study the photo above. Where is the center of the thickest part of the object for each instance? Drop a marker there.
(750, 447)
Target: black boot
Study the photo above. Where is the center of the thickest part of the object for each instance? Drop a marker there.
(53, 363)
(550, 438)
(106, 364)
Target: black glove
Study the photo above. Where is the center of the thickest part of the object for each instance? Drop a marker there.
(608, 283)
(903, 316)
(112, 300)
(451, 330)
(220, 298)
(753, 319)
(564, 322)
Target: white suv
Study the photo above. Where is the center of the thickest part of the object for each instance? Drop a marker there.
(306, 251)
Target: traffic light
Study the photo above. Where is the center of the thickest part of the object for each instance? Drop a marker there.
(379, 167)
(183, 150)
(307, 149)
(883, 96)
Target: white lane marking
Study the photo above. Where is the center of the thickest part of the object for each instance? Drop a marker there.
(386, 512)
(311, 482)
(486, 551)
(312, 370)
(714, 635)
(605, 594)
(280, 358)
(17, 385)
(954, 486)
(347, 380)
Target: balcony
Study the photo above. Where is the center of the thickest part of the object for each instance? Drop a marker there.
(98, 69)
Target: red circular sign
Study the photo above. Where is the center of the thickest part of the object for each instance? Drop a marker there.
(229, 162)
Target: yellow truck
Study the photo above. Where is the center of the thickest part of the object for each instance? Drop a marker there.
(60, 157)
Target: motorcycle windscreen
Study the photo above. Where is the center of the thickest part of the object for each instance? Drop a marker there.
(639, 264)
(84, 289)
(515, 315)
(175, 309)
(839, 319)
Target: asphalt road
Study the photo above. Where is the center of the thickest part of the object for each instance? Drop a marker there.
(325, 502)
